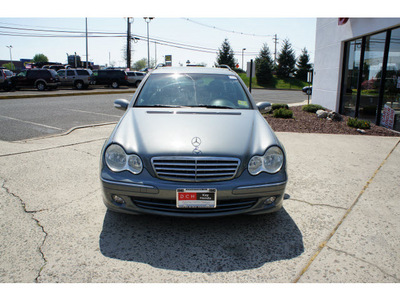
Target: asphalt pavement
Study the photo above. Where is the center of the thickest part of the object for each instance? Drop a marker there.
(340, 221)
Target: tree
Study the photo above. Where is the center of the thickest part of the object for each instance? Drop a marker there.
(9, 66)
(40, 58)
(286, 60)
(303, 65)
(226, 55)
(264, 65)
(124, 53)
(140, 64)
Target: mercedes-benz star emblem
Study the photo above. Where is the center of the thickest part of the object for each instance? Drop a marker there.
(196, 141)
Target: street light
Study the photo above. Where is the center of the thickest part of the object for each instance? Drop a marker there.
(147, 20)
(11, 64)
(242, 57)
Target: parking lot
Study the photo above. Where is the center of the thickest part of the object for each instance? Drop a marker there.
(339, 222)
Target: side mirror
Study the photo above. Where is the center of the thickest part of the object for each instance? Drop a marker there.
(264, 106)
(121, 104)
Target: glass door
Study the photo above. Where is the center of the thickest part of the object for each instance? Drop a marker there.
(390, 116)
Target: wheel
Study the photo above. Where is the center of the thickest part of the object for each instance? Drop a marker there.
(114, 84)
(41, 86)
(79, 85)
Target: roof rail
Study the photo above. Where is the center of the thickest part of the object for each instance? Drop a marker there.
(224, 66)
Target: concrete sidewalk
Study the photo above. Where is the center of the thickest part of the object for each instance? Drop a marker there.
(340, 221)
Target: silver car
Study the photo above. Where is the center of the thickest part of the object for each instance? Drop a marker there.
(192, 143)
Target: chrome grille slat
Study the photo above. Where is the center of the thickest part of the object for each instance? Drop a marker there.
(195, 169)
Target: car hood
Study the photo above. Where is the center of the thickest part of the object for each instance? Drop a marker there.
(162, 132)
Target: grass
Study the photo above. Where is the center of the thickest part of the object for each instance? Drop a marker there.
(276, 83)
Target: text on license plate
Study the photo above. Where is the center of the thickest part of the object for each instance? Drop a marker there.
(196, 198)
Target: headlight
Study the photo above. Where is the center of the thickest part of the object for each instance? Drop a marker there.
(270, 162)
(117, 160)
(135, 164)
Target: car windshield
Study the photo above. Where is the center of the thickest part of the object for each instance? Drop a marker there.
(193, 90)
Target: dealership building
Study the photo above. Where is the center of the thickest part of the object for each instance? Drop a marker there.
(357, 68)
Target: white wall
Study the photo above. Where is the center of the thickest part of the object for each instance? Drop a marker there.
(329, 46)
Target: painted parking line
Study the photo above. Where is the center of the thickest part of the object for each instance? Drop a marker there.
(32, 123)
(91, 112)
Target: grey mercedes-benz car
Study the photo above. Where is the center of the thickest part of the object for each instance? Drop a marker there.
(193, 143)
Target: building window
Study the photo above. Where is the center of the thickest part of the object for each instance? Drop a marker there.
(371, 76)
(351, 74)
(371, 79)
(390, 116)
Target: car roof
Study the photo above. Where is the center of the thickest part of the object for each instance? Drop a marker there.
(197, 70)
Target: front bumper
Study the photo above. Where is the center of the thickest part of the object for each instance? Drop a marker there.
(148, 195)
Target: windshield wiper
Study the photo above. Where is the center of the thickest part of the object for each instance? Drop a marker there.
(162, 105)
(214, 106)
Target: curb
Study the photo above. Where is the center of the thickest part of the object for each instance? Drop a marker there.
(82, 93)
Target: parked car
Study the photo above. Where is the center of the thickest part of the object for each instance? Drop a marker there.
(113, 78)
(134, 78)
(78, 78)
(307, 90)
(192, 143)
(6, 79)
(37, 78)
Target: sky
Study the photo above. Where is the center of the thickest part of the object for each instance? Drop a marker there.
(205, 34)
(199, 24)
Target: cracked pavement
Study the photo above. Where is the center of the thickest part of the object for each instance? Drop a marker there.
(340, 221)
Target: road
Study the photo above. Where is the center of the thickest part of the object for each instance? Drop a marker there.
(22, 119)
(27, 118)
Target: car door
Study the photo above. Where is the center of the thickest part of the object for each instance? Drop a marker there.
(63, 77)
(22, 78)
(70, 77)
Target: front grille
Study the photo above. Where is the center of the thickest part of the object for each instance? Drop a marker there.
(195, 169)
(170, 205)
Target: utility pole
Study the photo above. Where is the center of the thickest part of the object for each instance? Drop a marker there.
(11, 63)
(128, 45)
(275, 38)
(147, 20)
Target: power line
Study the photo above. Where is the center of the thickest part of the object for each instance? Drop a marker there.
(226, 30)
(43, 33)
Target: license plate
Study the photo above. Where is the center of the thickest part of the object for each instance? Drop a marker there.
(196, 198)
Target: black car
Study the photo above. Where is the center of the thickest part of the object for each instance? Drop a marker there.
(37, 78)
(307, 90)
(6, 77)
(113, 78)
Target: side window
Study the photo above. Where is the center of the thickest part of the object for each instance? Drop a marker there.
(61, 73)
(82, 72)
(42, 73)
(70, 73)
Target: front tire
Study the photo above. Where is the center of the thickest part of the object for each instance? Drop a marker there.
(41, 86)
(115, 84)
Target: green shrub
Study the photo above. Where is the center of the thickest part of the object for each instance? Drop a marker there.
(353, 122)
(312, 108)
(279, 105)
(283, 113)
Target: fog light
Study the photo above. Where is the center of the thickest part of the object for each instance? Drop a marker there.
(269, 200)
(117, 199)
